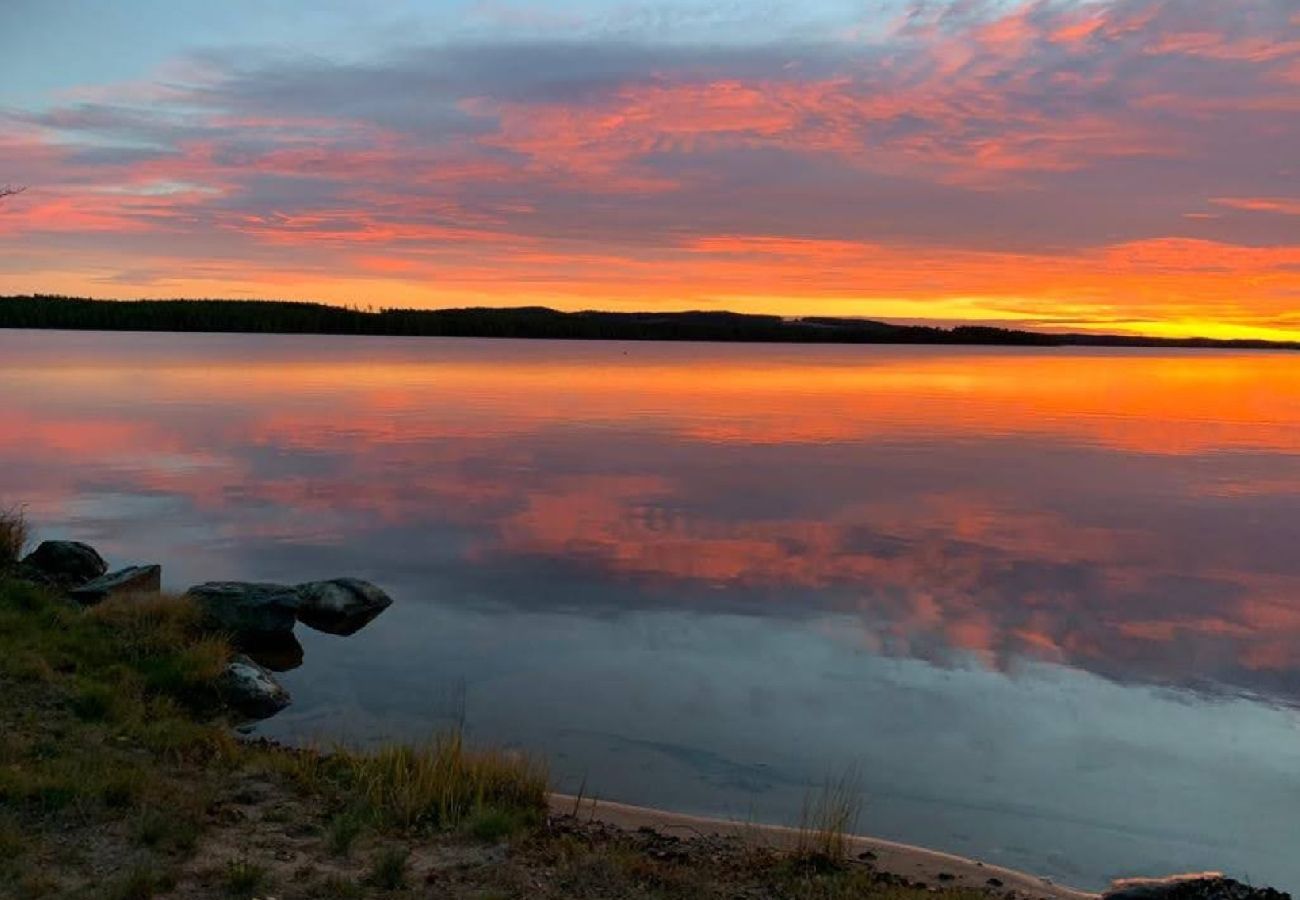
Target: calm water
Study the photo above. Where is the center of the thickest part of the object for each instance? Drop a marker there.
(1048, 601)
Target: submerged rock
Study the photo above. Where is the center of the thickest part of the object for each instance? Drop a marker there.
(251, 690)
(250, 611)
(1190, 887)
(131, 581)
(64, 563)
(341, 605)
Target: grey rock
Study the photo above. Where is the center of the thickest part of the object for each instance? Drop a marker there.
(1193, 887)
(250, 611)
(65, 563)
(341, 605)
(251, 690)
(131, 581)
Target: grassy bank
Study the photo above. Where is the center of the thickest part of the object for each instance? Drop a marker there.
(121, 778)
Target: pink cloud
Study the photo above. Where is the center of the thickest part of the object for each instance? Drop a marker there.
(1283, 205)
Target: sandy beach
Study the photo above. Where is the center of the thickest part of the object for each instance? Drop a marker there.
(917, 864)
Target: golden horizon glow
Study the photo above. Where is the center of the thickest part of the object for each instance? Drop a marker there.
(953, 162)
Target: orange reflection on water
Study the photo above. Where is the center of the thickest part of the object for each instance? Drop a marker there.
(1174, 402)
(1129, 513)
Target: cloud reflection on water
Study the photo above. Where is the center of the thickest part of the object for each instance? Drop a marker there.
(1131, 514)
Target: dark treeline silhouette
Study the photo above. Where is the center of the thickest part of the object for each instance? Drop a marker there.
(282, 317)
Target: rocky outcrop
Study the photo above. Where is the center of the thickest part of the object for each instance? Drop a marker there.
(341, 605)
(131, 581)
(250, 611)
(251, 690)
(1194, 887)
(64, 563)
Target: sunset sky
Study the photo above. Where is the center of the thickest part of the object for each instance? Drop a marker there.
(1123, 165)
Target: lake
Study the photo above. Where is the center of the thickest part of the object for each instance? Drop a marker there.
(1045, 602)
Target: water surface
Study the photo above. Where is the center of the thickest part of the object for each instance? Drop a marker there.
(1047, 601)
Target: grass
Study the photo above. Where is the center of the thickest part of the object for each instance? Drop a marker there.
(338, 888)
(117, 657)
(343, 831)
(389, 869)
(141, 883)
(173, 828)
(113, 715)
(244, 879)
(14, 535)
(494, 824)
(829, 818)
(443, 783)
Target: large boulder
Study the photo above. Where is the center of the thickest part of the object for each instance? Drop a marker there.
(1190, 887)
(133, 581)
(251, 690)
(341, 605)
(249, 611)
(65, 563)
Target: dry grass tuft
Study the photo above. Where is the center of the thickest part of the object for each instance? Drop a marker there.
(14, 534)
(830, 817)
(443, 783)
(146, 625)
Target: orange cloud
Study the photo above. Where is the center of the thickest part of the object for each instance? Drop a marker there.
(1285, 206)
(1032, 162)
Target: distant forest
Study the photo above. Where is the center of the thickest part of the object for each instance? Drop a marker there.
(281, 317)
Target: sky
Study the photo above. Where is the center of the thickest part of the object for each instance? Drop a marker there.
(1116, 165)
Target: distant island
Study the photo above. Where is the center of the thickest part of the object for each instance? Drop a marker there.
(286, 317)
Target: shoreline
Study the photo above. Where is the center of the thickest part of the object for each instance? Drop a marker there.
(933, 867)
(119, 740)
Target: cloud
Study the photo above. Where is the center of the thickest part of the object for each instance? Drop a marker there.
(1282, 205)
(967, 140)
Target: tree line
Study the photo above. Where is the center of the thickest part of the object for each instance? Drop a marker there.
(288, 317)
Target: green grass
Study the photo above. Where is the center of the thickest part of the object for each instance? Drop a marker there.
(116, 656)
(494, 824)
(140, 883)
(338, 888)
(14, 840)
(112, 715)
(343, 830)
(95, 682)
(244, 879)
(388, 871)
(174, 827)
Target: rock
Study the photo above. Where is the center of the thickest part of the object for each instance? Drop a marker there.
(32, 575)
(1190, 887)
(248, 610)
(280, 653)
(340, 606)
(133, 580)
(251, 690)
(66, 563)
